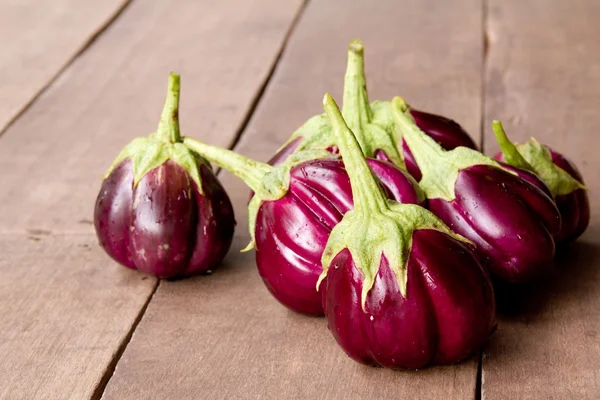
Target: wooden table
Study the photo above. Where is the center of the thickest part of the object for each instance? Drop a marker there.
(79, 79)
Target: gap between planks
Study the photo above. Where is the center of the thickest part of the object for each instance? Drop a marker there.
(111, 367)
(486, 44)
(484, 65)
(84, 47)
(261, 90)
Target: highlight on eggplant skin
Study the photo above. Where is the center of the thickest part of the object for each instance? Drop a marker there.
(448, 312)
(446, 132)
(561, 176)
(402, 290)
(372, 124)
(161, 209)
(511, 221)
(291, 232)
(575, 206)
(164, 227)
(295, 206)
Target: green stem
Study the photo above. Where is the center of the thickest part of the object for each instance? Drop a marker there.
(368, 196)
(250, 171)
(168, 127)
(424, 149)
(509, 150)
(356, 108)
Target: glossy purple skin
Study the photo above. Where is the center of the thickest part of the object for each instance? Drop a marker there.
(444, 131)
(529, 177)
(511, 221)
(447, 314)
(285, 152)
(291, 233)
(164, 227)
(574, 207)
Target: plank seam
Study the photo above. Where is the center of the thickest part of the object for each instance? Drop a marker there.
(261, 90)
(484, 65)
(478, 381)
(112, 366)
(84, 47)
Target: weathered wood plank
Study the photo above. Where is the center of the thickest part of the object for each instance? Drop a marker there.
(543, 80)
(224, 336)
(38, 38)
(64, 311)
(65, 308)
(63, 144)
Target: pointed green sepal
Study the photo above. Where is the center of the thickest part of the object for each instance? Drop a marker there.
(376, 227)
(535, 157)
(147, 153)
(268, 182)
(372, 124)
(439, 167)
(313, 134)
(279, 175)
(388, 233)
(539, 157)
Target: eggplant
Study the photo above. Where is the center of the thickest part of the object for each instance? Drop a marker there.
(161, 209)
(294, 207)
(372, 124)
(510, 220)
(559, 173)
(401, 289)
(446, 132)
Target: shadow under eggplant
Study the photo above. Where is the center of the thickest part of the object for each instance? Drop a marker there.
(572, 267)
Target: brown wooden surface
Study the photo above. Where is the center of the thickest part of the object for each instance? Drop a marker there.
(63, 314)
(65, 309)
(67, 312)
(544, 80)
(63, 145)
(38, 38)
(224, 336)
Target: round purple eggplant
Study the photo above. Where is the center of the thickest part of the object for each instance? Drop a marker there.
(561, 176)
(446, 132)
(372, 124)
(510, 220)
(402, 289)
(294, 207)
(160, 209)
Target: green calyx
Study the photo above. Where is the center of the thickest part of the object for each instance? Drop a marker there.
(372, 124)
(377, 227)
(147, 153)
(536, 157)
(269, 183)
(439, 167)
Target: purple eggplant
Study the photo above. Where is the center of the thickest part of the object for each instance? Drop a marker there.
(402, 289)
(372, 124)
(446, 132)
(562, 177)
(294, 207)
(510, 220)
(160, 209)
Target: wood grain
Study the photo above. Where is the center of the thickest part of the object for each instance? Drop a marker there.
(115, 91)
(64, 311)
(543, 80)
(38, 38)
(224, 336)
